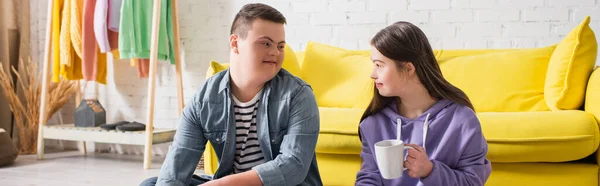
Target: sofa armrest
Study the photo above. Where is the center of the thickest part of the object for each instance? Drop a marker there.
(592, 99)
(592, 95)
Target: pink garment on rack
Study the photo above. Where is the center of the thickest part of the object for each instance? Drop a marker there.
(143, 67)
(114, 14)
(90, 46)
(107, 39)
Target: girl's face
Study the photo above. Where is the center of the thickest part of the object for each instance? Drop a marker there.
(389, 79)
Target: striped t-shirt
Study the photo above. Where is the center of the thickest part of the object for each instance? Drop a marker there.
(247, 148)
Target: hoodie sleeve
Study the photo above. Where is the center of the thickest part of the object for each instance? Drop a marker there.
(473, 169)
(369, 173)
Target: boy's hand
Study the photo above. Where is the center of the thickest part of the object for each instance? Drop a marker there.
(212, 183)
(417, 162)
(248, 178)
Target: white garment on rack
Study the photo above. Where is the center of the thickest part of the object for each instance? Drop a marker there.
(114, 14)
(100, 25)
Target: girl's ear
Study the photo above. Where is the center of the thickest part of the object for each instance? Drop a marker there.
(409, 68)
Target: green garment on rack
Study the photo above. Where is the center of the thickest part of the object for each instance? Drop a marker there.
(135, 30)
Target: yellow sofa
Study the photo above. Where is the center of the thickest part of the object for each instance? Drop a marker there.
(539, 108)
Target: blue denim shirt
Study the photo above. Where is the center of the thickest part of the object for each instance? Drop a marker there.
(287, 128)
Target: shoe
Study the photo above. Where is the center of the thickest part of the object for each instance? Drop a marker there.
(133, 126)
(113, 126)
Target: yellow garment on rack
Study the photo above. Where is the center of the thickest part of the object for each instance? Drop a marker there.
(66, 61)
(63, 51)
(65, 36)
(72, 72)
(116, 54)
(101, 68)
(75, 25)
(56, 7)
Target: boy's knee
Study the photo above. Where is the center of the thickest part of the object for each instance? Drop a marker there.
(149, 182)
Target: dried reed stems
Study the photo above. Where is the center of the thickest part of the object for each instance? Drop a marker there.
(26, 110)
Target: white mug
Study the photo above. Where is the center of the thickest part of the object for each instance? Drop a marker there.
(390, 158)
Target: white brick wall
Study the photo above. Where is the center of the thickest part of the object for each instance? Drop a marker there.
(498, 15)
(449, 24)
(546, 14)
(451, 16)
(430, 5)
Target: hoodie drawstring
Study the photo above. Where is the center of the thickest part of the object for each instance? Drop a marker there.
(425, 127)
(399, 127)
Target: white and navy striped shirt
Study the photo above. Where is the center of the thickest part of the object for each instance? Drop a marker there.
(247, 148)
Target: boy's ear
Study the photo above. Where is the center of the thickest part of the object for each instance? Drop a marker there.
(233, 43)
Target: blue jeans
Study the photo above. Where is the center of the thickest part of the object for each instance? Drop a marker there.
(196, 180)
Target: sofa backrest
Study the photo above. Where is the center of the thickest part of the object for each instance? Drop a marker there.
(338, 77)
(500, 81)
(496, 80)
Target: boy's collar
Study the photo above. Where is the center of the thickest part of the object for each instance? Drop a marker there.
(224, 81)
(224, 84)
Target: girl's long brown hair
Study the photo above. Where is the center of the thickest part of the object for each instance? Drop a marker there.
(404, 42)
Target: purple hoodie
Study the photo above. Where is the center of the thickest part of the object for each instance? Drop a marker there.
(454, 143)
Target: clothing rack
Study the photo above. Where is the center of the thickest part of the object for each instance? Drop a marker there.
(94, 134)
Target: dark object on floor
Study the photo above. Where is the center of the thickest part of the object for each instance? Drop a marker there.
(8, 151)
(113, 126)
(90, 113)
(133, 126)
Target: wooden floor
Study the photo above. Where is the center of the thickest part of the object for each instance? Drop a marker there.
(72, 168)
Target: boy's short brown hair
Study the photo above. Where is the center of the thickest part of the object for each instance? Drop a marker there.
(250, 12)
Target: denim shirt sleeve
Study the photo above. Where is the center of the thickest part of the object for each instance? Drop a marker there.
(186, 150)
(291, 166)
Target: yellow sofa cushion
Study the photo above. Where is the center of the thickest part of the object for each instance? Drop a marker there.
(569, 68)
(215, 67)
(506, 81)
(290, 61)
(338, 169)
(552, 136)
(339, 77)
(441, 54)
(339, 130)
(300, 58)
(543, 174)
(511, 136)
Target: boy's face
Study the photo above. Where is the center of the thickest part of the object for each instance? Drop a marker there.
(260, 54)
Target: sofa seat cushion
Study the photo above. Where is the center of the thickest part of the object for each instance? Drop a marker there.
(552, 136)
(542, 174)
(339, 130)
